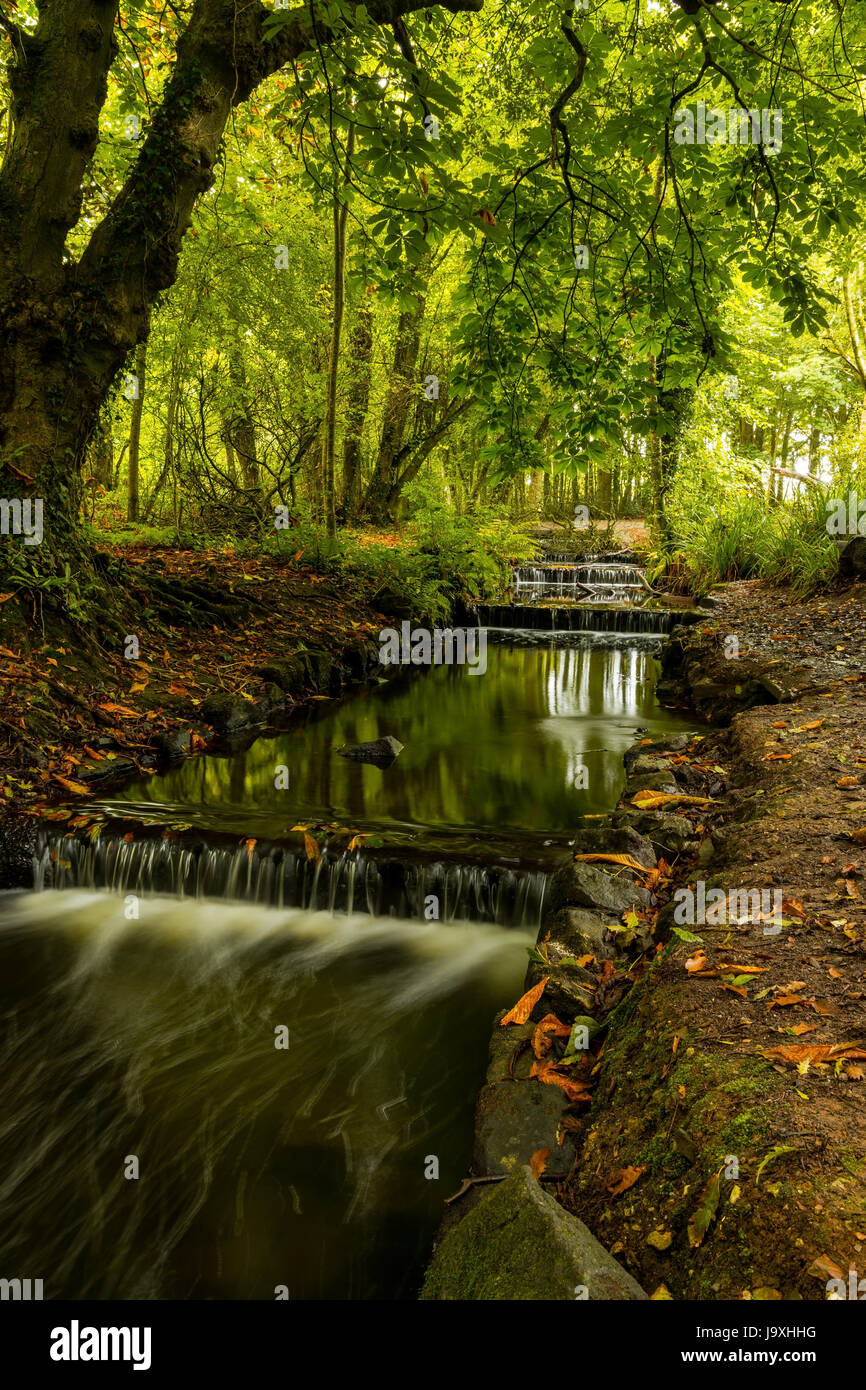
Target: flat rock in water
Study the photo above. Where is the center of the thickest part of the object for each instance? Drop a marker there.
(520, 1244)
(381, 750)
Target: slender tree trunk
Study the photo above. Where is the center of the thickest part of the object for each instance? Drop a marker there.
(340, 211)
(168, 444)
(135, 431)
(358, 403)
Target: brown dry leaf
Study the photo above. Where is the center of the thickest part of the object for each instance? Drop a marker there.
(77, 788)
(538, 1162)
(836, 974)
(524, 1006)
(650, 801)
(624, 1179)
(784, 1000)
(177, 689)
(120, 710)
(312, 847)
(585, 960)
(824, 1265)
(793, 906)
(816, 724)
(549, 1028)
(848, 782)
(735, 990)
(250, 844)
(856, 1073)
(800, 1028)
(859, 836)
(696, 962)
(820, 1053)
(780, 724)
(777, 757)
(625, 859)
(547, 1072)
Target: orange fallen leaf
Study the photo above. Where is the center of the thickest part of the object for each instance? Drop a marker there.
(77, 788)
(814, 1052)
(312, 848)
(250, 844)
(525, 1004)
(650, 800)
(800, 1028)
(624, 1179)
(547, 1072)
(549, 1028)
(696, 962)
(627, 860)
(538, 1162)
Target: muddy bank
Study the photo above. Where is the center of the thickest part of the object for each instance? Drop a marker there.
(713, 1138)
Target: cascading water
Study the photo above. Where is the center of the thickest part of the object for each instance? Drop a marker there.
(593, 594)
(282, 876)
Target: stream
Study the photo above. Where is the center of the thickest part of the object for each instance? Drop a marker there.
(244, 1025)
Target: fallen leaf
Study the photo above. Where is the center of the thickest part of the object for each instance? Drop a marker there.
(700, 1220)
(525, 1004)
(625, 859)
(823, 1265)
(650, 800)
(538, 1162)
(548, 1029)
(814, 1052)
(312, 847)
(624, 1179)
(77, 788)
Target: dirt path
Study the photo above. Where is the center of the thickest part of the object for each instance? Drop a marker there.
(731, 1092)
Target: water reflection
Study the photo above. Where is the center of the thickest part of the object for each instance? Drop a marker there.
(494, 751)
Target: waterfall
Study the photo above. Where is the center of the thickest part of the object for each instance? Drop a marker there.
(384, 884)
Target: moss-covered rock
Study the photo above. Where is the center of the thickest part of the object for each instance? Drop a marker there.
(519, 1244)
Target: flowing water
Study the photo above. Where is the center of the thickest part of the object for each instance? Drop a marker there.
(285, 1042)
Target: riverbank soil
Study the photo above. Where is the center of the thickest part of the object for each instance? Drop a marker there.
(187, 647)
(724, 1154)
(195, 645)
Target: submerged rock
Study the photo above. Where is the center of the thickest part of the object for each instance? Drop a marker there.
(520, 1244)
(380, 750)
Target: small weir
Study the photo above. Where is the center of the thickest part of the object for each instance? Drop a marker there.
(381, 884)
